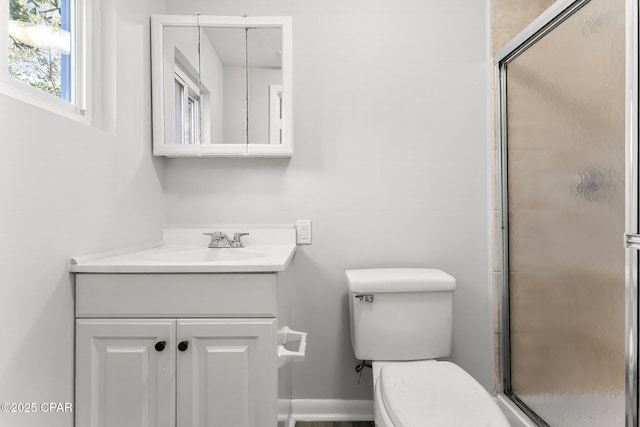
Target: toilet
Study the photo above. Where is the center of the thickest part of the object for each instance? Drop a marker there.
(401, 320)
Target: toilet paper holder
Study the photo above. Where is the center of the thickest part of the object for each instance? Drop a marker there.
(286, 335)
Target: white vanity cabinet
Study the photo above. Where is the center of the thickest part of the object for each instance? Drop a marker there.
(229, 377)
(176, 350)
(121, 379)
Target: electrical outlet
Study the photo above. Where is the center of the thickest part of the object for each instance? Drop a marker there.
(303, 231)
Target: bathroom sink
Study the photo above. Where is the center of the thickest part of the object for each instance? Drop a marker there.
(198, 255)
(184, 250)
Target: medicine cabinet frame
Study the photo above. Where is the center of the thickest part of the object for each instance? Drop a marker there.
(160, 145)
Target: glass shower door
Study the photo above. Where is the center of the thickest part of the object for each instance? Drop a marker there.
(564, 215)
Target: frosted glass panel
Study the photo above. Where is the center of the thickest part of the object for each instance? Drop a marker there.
(565, 108)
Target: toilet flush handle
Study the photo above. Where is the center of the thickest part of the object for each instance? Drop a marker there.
(365, 297)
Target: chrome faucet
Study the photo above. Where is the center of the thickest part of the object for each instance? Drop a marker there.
(222, 240)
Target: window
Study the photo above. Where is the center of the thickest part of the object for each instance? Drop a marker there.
(187, 109)
(42, 52)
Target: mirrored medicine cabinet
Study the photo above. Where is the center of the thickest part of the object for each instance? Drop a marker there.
(221, 86)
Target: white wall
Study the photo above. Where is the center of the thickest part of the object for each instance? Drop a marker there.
(390, 102)
(69, 189)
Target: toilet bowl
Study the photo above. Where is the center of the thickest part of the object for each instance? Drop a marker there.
(401, 321)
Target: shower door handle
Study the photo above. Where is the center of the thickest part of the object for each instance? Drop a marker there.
(632, 240)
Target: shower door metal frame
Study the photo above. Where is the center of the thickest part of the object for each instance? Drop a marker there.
(554, 16)
(631, 213)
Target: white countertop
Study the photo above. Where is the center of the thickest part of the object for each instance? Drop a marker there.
(184, 250)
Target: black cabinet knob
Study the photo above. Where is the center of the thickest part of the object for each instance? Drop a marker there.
(183, 345)
(160, 345)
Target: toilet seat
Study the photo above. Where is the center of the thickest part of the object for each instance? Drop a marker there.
(430, 393)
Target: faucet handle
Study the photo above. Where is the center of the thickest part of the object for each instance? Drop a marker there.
(237, 239)
(216, 234)
(216, 237)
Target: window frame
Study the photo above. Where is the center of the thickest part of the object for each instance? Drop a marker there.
(76, 108)
(190, 118)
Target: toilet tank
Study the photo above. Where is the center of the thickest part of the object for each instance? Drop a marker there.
(400, 313)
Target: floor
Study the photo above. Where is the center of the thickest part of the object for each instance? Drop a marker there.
(334, 424)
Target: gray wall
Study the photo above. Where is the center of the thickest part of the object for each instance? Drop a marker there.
(69, 189)
(391, 113)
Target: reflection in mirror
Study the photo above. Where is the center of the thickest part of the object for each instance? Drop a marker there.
(182, 110)
(229, 94)
(223, 55)
(208, 106)
(264, 70)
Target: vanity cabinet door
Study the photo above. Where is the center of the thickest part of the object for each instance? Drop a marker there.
(125, 373)
(227, 373)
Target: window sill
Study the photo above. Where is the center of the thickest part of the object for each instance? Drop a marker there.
(44, 101)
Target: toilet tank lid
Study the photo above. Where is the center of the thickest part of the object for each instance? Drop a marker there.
(399, 280)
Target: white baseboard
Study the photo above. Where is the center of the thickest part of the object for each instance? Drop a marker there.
(284, 412)
(330, 410)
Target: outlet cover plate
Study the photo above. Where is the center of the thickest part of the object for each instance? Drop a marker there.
(303, 231)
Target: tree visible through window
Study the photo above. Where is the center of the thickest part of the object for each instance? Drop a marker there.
(40, 45)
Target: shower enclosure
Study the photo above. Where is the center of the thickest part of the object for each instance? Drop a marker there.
(567, 122)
